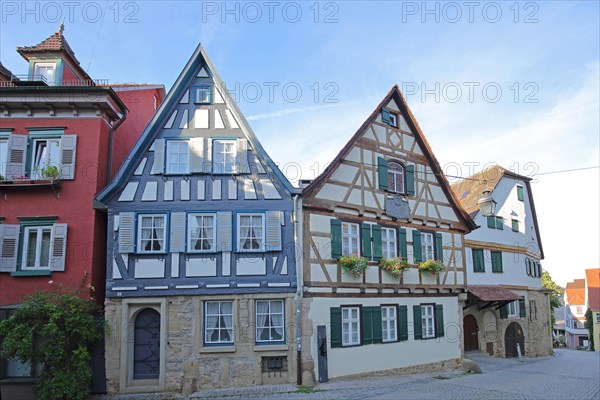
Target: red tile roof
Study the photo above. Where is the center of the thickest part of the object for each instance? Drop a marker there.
(7, 73)
(592, 277)
(56, 42)
(575, 292)
(492, 293)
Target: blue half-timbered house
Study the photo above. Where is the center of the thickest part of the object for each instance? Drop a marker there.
(201, 271)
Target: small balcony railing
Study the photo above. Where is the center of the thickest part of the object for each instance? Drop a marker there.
(40, 80)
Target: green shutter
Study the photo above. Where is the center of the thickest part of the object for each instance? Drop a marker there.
(336, 238)
(515, 225)
(377, 245)
(403, 322)
(417, 246)
(410, 180)
(366, 241)
(504, 311)
(478, 263)
(439, 320)
(522, 311)
(377, 328)
(496, 261)
(439, 247)
(491, 220)
(385, 116)
(382, 173)
(367, 325)
(500, 223)
(520, 193)
(402, 247)
(336, 326)
(417, 322)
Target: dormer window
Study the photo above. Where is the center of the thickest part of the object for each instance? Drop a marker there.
(395, 177)
(203, 94)
(388, 117)
(44, 72)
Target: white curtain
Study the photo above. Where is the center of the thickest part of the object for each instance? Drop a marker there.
(245, 233)
(227, 310)
(277, 318)
(146, 232)
(262, 308)
(212, 318)
(158, 233)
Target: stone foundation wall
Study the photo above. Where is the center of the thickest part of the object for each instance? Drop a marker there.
(445, 365)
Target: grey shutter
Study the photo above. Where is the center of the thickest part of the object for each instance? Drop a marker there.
(9, 244)
(417, 246)
(410, 180)
(208, 155)
(178, 232)
(243, 167)
(273, 231)
(417, 323)
(68, 149)
(196, 155)
(17, 149)
(224, 231)
(58, 251)
(158, 166)
(439, 320)
(126, 232)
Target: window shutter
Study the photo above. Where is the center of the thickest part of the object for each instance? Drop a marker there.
(417, 246)
(402, 246)
(336, 239)
(377, 328)
(522, 311)
(410, 180)
(17, 150)
(208, 155)
(126, 232)
(515, 225)
(9, 244)
(491, 222)
(196, 155)
(366, 240)
(382, 173)
(417, 323)
(500, 223)
(520, 193)
(439, 247)
(273, 233)
(242, 157)
(496, 261)
(403, 322)
(539, 269)
(68, 149)
(527, 267)
(367, 325)
(224, 231)
(336, 326)
(159, 157)
(504, 311)
(439, 320)
(58, 250)
(478, 261)
(385, 116)
(178, 233)
(377, 243)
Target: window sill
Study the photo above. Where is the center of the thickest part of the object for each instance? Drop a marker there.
(217, 349)
(31, 273)
(271, 347)
(29, 182)
(18, 381)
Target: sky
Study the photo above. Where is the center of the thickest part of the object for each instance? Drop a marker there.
(513, 83)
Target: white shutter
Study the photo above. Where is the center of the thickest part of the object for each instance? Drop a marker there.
(17, 150)
(159, 157)
(273, 231)
(126, 232)
(224, 231)
(68, 149)
(196, 155)
(208, 155)
(242, 157)
(9, 244)
(58, 249)
(177, 232)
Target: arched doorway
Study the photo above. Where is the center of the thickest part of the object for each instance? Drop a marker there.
(470, 330)
(512, 336)
(146, 353)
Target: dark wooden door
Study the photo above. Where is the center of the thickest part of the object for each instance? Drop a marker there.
(322, 343)
(514, 335)
(470, 331)
(146, 354)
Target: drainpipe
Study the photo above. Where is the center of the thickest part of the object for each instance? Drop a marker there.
(111, 135)
(298, 295)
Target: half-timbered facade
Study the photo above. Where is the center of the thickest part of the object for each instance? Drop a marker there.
(383, 197)
(201, 274)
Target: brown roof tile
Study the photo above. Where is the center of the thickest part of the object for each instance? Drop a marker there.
(492, 293)
(56, 42)
(593, 284)
(575, 292)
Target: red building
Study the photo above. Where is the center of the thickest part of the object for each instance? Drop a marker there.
(62, 135)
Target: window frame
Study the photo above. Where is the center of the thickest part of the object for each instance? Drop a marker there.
(216, 154)
(37, 65)
(393, 120)
(386, 244)
(425, 318)
(510, 313)
(218, 326)
(139, 227)
(270, 326)
(424, 246)
(395, 322)
(239, 235)
(515, 224)
(209, 97)
(393, 176)
(168, 161)
(350, 321)
(190, 238)
(38, 246)
(3, 155)
(351, 236)
(34, 167)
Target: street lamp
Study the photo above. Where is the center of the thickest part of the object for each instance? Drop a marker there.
(487, 205)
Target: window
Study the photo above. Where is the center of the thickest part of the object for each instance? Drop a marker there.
(350, 326)
(532, 310)
(598, 318)
(427, 246)
(201, 233)
(224, 156)
(350, 239)
(495, 222)
(513, 309)
(203, 95)
(44, 72)
(389, 323)
(251, 232)
(515, 225)
(218, 322)
(395, 177)
(178, 156)
(155, 102)
(46, 152)
(3, 156)
(579, 309)
(428, 321)
(393, 120)
(36, 248)
(389, 118)
(269, 321)
(478, 260)
(151, 233)
(388, 242)
(497, 261)
(520, 193)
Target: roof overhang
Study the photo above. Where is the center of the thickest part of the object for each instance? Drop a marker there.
(489, 296)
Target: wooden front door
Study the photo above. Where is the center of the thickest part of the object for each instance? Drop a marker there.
(514, 335)
(470, 331)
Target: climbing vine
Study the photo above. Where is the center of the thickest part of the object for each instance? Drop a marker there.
(589, 317)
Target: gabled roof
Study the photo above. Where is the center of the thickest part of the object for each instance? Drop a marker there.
(162, 114)
(592, 278)
(56, 42)
(396, 95)
(575, 292)
(470, 189)
(7, 73)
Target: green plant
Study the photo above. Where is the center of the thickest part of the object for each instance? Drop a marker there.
(50, 172)
(432, 266)
(394, 266)
(589, 317)
(354, 265)
(54, 329)
(1, 178)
